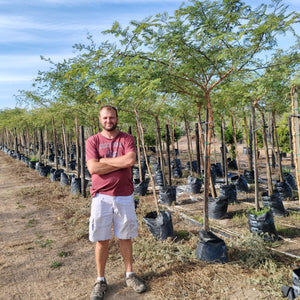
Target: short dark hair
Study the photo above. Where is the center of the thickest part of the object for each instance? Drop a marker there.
(109, 107)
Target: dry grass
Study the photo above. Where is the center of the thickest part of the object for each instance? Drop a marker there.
(171, 267)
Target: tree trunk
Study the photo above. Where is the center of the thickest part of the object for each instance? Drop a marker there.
(277, 146)
(82, 164)
(224, 154)
(291, 143)
(296, 137)
(77, 147)
(264, 136)
(146, 159)
(235, 142)
(161, 158)
(139, 152)
(197, 149)
(209, 125)
(65, 145)
(188, 143)
(254, 136)
(168, 154)
(54, 144)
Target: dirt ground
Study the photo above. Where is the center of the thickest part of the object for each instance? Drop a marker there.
(45, 253)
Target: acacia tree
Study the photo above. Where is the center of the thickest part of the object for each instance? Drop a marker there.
(201, 45)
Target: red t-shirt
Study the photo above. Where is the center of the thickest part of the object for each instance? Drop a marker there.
(117, 183)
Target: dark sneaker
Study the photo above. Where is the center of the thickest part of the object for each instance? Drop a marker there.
(136, 283)
(98, 291)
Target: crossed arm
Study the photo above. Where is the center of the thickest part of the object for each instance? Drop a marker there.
(109, 164)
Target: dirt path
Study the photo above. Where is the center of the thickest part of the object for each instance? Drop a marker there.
(38, 260)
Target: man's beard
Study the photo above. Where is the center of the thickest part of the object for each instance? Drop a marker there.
(110, 128)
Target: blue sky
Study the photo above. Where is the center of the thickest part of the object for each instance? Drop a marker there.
(31, 28)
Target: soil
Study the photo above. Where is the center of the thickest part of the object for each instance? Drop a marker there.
(45, 252)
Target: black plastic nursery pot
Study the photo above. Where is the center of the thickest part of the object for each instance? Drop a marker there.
(292, 292)
(64, 179)
(55, 174)
(160, 225)
(263, 225)
(241, 184)
(228, 191)
(211, 248)
(75, 185)
(32, 164)
(140, 188)
(44, 170)
(167, 195)
(296, 282)
(217, 207)
(194, 185)
(249, 175)
(289, 178)
(284, 189)
(275, 203)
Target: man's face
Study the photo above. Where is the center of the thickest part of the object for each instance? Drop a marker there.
(108, 119)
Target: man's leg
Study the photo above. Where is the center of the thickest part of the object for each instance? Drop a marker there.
(101, 255)
(126, 252)
(132, 280)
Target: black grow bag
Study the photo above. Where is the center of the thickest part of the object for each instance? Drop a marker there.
(296, 282)
(64, 179)
(32, 164)
(217, 207)
(211, 248)
(194, 185)
(167, 195)
(55, 174)
(263, 225)
(160, 226)
(241, 184)
(249, 175)
(75, 185)
(275, 203)
(228, 191)
(140, 188)
(289, 178)
(284, 189)
(159, 178)
(44, 170)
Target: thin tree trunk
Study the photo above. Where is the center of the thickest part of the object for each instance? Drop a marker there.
(65, 145)
(254, 136)
(54, 144)
(277, 146)
(162, 164)
(146, 159)
(168, 154)
(296, 137)
(139, 152)
(77, 147)
(235, 142)
(82, 164)
(197, 149)
(291, 143)
(264, 135)
(224, 154)
(188, 143)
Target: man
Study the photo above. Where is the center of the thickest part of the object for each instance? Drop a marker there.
(110, 155)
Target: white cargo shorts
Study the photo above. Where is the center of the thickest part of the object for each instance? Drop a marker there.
(117, 212)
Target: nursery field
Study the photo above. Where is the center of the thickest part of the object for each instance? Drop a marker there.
(45, 252)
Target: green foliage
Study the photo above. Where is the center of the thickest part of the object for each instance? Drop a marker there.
(56, 264)
(284, 134)
(262, 211)
(259, 136)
